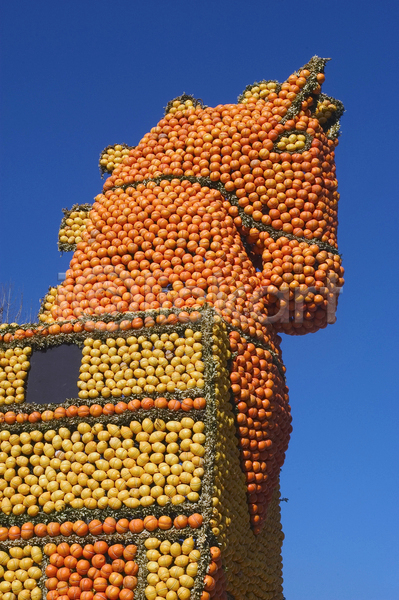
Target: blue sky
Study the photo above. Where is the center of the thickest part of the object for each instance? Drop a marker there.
(78, 76)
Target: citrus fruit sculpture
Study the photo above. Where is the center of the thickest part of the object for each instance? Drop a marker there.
(145, 418)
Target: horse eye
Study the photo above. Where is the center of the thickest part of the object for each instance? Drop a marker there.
(293, 141)
(328, 111)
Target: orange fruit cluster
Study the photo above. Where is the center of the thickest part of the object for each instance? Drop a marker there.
(91, 572)
(263, 419)
(96, 410)
(99, 528)
(178, 247)
(300, 283)
(215, 582)
(177, 221)
(234, 144)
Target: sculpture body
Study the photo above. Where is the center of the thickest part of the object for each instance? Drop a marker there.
(212, 236)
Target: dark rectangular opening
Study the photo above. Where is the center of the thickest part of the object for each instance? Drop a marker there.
(54, 374)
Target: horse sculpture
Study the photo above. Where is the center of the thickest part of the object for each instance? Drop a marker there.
(160, 466)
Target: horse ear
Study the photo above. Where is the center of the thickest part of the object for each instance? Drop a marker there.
(328, 111)
(298, 87)
(304, 85)
(312, 73)
(306, 80)
(111, 156)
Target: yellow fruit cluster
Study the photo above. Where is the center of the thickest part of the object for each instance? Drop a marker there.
(324, 111)
(172, 568)
(178, 105)
(73, 227)
(259, 90)
(112, 156)
(292, 143)
(20, 573)
(47, 304)
(14, 367)
(253, 562)
(158, 363)
(97, 466)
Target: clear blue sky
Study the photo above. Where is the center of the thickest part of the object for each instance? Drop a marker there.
(77, 76)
